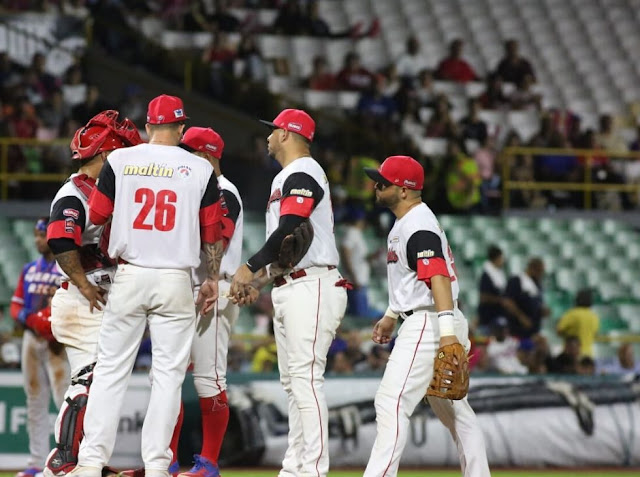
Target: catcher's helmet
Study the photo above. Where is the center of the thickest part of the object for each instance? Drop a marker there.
(103, 133)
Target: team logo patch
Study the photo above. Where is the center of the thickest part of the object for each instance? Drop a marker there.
(275, 196)
(295, 126)
(184, 171)
(69, 225)
(178, 113)
(300, 200)
(211, 147)
(395, 239)
(161, 117)
(409, 183)
(426, 254)
(392, 256)
(425, 262)
(73, 213)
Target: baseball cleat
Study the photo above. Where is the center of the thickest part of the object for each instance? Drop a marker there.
(30, 472)
(202, 467)
(174, 470)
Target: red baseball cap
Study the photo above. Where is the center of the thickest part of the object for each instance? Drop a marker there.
(203, 140)
(294, 120)
(165, 109)
(403, 171)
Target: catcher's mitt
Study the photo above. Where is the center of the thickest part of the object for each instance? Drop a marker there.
(295, 245)
(450, 373)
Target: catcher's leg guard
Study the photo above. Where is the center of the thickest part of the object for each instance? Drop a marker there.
(69, 425)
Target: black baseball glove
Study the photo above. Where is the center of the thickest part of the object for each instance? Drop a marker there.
(295, 245)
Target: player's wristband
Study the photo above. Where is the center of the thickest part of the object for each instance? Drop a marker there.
(391, 314)
(445, 320)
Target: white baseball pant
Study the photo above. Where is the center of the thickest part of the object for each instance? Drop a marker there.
(211, 344)
(307, 313)
(405, 381)
(164, 299)
(46, 373)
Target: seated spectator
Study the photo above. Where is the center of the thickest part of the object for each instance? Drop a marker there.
(411, 62)
(502, 350)
(251, 65)
(490, 191)
(341, 365)
(440, 123)
(581, 321)
(463, 180)
(608, 137)
(354, 347)
(392, 81)
(454, 67)
(472, 126)
(493, 97)
(25, 123)
(74, 88)
(625, 365)
(9, 74)
(523, 97)
(513, 67)
(376, 360)
(524, 300)
(567, 361)
(586, 366)
(356, 260)
(91, 106)
(220, 56)
(353, 76)
(375, 109)
(424, 90)
(46, 81)
(52, 113)
(493, 282)
(321, 79)
(535, 354)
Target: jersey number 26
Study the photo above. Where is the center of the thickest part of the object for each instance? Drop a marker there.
(164, 217)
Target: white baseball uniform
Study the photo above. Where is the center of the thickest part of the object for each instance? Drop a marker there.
(308, 307)
(72, 323)
(213, 330)
(163, 200)
(418, 250)
(44, 365)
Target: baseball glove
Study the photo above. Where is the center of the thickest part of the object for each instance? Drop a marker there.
(295, 245)
(450, 373)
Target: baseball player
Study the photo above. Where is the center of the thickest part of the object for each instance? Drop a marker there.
(213, 329)
(44, 362)
(163, 202)
(76, 307)
(309, 302)
(423, 290)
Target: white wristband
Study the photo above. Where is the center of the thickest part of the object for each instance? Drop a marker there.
(391, 314)
(445, 320)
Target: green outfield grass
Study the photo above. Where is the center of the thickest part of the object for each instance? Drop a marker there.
(435, 473)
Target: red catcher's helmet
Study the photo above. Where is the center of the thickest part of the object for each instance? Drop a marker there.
(103, 133)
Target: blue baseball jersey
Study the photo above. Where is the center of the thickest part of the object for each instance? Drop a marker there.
(37, 284)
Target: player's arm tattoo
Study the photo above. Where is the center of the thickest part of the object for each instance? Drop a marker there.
(70, 264)
(213, 255)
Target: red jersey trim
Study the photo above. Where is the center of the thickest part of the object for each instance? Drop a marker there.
(228, 228)
(100, 207)
(211, 214)
(211, 233)
(428, 268)
(67, 229)
(297, 205)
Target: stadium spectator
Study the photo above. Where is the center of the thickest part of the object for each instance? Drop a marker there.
(321, 79)
(375, 109)
(513, 67)
(440, 123)
(586, 366)
(314, 25)
(411, 62)
(567, 361)
(133, 105)
(9, 75)
(524, 97)
(454, 67)
(25, 122)
(74, 88)
(250, 64)
(341, 365)
(353, 351)
(486, 157)
(472, 126)
(265, 358)
(493, 97)
(91, 106)
(220, 57)
(47, 82)
(608, 137)
(581, 321)
(425, 91)
(524, 300)
(625, 365)
(376, 360)
(353, 76)
(290, 20)
(463, 180)
(502, 350)
(356, 261)
(493, 282)
(52, 113)
(203, 15)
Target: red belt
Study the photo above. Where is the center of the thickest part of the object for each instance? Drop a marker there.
(279, 281)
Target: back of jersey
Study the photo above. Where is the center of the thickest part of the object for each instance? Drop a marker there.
(158, 196)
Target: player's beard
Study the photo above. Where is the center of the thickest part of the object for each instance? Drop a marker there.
(390, 202)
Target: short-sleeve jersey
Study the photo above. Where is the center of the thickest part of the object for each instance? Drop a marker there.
(417, 249)
(232, 224)
(302, 189)
(160, 197)
(37, 283)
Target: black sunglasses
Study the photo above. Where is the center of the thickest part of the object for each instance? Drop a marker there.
(381, 186)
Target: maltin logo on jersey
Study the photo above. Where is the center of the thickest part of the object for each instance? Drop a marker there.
(152, 170)
(184, 171)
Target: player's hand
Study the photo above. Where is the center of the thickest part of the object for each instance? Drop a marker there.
(207, 296)
(383, 330)
(94, 295)
(241, 280)
(249, 296)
